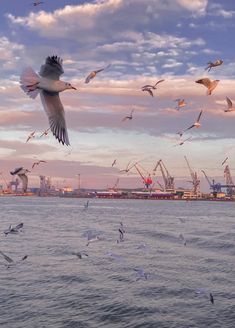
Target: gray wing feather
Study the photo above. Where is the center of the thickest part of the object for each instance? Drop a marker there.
(55, 112)
(7, 258)
(24, 180)
(52, 69)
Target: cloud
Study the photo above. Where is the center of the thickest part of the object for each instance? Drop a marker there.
(10, 53)
(196, 6)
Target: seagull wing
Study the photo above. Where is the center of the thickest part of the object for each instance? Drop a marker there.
(149, 91)
(199, 116)
(24, 180)
(192, 126)
(90, 76)
(55, 112)
(52, 69)
(7, 258)
(229, 102)
(19, 226)
(158, 82)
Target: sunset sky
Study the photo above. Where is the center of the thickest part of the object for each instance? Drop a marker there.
(144, 41)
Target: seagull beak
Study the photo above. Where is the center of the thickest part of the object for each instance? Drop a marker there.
(73, 88)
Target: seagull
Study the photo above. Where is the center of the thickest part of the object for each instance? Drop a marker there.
(37, 163)
(121, 233)
(91, 236)
(80, 255)
(10, 261)
(48, 84)
(30, 136)
(224, 161)
(114, 162)
(128, 117)
(14, 230)
(181, 103)
(45, 133)
(210, 64)
(149, 86)
(86, 205)
(230, 105)
(210, 85)
(181, 237)
(141, 274)
(93, 73)
(182, 142)
(37, 3)
(21, 172)
(205, 292)
(196, 125)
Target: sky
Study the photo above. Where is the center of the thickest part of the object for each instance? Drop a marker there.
(143, 41)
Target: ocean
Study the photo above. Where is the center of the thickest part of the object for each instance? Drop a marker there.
(174, 254)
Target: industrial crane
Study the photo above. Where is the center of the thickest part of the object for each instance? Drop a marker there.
(167, 178)
(229, 181)
(195, 181)
(216, 187)
(148, 180)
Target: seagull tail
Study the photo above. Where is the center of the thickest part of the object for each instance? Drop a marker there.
(29, 81)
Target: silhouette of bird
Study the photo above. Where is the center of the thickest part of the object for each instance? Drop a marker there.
(30, 136)
(37, 163)
(210, 64)
(196, 125)
(181, 103)
(114, 162)
(37, 3)
(10, 261)
(230, 107)
(45, 133)
(154, 87)
(14, 230)
(48, 84)
(128, 117)
(94, 73)
(182, 142)
(210, 85)
(149, 91)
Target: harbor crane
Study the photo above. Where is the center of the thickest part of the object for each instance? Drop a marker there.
(167, 178)
(215, 187)
(195, 181)
(146, 180)
(229, 181)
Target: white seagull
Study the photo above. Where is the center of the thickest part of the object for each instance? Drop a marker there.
(210, 85)
(195, 125)
(30, 136)
(48, 84)
(94, 73)
(14, 230)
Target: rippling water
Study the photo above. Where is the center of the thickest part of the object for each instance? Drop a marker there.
(53, 288)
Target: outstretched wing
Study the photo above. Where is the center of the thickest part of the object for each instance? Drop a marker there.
(52, 69)
(199, 116)
(7, 258)
(55, 112)
(205, 81)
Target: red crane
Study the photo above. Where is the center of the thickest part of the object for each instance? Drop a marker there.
(146, 180)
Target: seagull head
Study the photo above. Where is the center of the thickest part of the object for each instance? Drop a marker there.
(69, 86)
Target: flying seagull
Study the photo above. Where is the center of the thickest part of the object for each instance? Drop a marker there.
(45, 133)
(121, 233)
(94, 73)
(128, 117)
(210, 64)
(114, 162)
(21, 172)
(154, 87)
(10, 261)
(37, 163)
(210, 85)
(180, 103)
(230, 107)
(48, 84)
(37, 3)
(205, 292)
(14, 230)
(196, 124)
(182, 142)
(30, 136)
